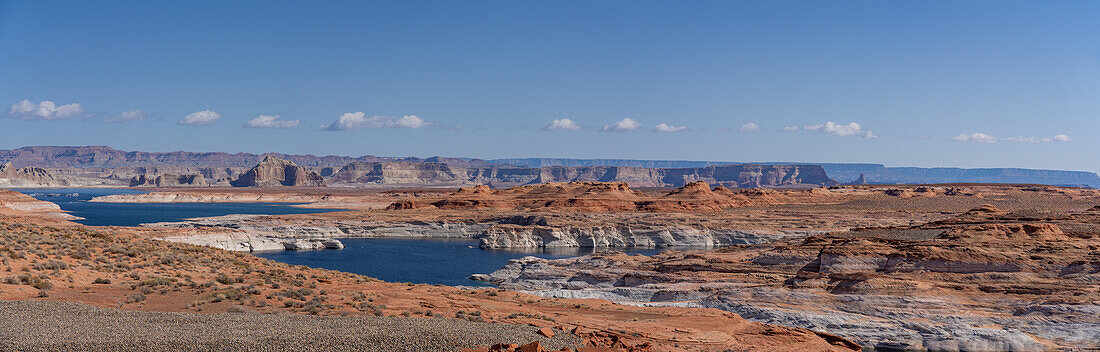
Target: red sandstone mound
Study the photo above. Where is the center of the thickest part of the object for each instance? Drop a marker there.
(480, 196)
(578, 196)
(585, 196)
(696, 188)
(722, 190)
(479, 189)
(619, 190)
(988, 232)
(984, 210)
(695, 196)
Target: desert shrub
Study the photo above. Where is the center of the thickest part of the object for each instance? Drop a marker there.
(300, 294)
(134, 298)
(223, 279)
(51, 265)
(225, 295)
(157, 281)
(41, 282)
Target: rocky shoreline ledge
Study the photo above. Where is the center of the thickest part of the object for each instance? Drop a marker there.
(249, 233)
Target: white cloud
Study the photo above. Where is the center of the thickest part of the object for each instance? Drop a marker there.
(268, 121)
(358, 121)
(44, 110)
(750, 127)
(627, 124)
(200, 118)
(129, 116)
(1023, 139)
(790, 128)
(978, 137)
(836, 129)
(668, 128)
(562, 125)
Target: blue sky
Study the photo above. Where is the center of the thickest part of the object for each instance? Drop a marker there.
(970, 84)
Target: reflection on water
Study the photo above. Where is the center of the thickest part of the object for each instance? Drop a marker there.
(75, 201)
(422, 261)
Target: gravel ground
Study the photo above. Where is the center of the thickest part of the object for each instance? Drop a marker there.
(67, 326)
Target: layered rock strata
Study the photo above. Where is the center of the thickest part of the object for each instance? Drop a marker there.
(428, 173)
(30, 176)
(984, 280)
(275, 172)
(250, 233)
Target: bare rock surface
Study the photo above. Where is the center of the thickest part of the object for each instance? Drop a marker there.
(984, 280)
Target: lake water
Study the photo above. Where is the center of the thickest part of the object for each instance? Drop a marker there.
(75, 201)
(422, 261)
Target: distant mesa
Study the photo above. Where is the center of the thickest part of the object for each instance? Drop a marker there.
(168, 180)
(862, 180)
(28, 176)
(275, 172)
(445, 174)
(102, 165)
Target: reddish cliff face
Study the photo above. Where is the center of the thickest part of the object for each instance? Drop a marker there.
(107, 157)
(740, 176)
(274, 172)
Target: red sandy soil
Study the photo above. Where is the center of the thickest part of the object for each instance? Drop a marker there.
(45, 258)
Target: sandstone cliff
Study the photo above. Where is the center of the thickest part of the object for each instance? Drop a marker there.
(441, 174)
(169, 180)
(28, 177)
(274, 172)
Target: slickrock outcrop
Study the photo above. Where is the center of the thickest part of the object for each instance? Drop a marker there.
(275, 172)
(983, 280)
(12, 202)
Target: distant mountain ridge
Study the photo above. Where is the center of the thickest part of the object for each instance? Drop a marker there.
(846, 172)
(107, 157)
(92, 157)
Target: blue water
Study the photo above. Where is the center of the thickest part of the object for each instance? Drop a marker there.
(75, 201)
(422, 261)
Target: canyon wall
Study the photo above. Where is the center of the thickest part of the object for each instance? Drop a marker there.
(429, 173)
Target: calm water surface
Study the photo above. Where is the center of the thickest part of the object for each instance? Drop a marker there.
(422, 261)
(75, 201)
